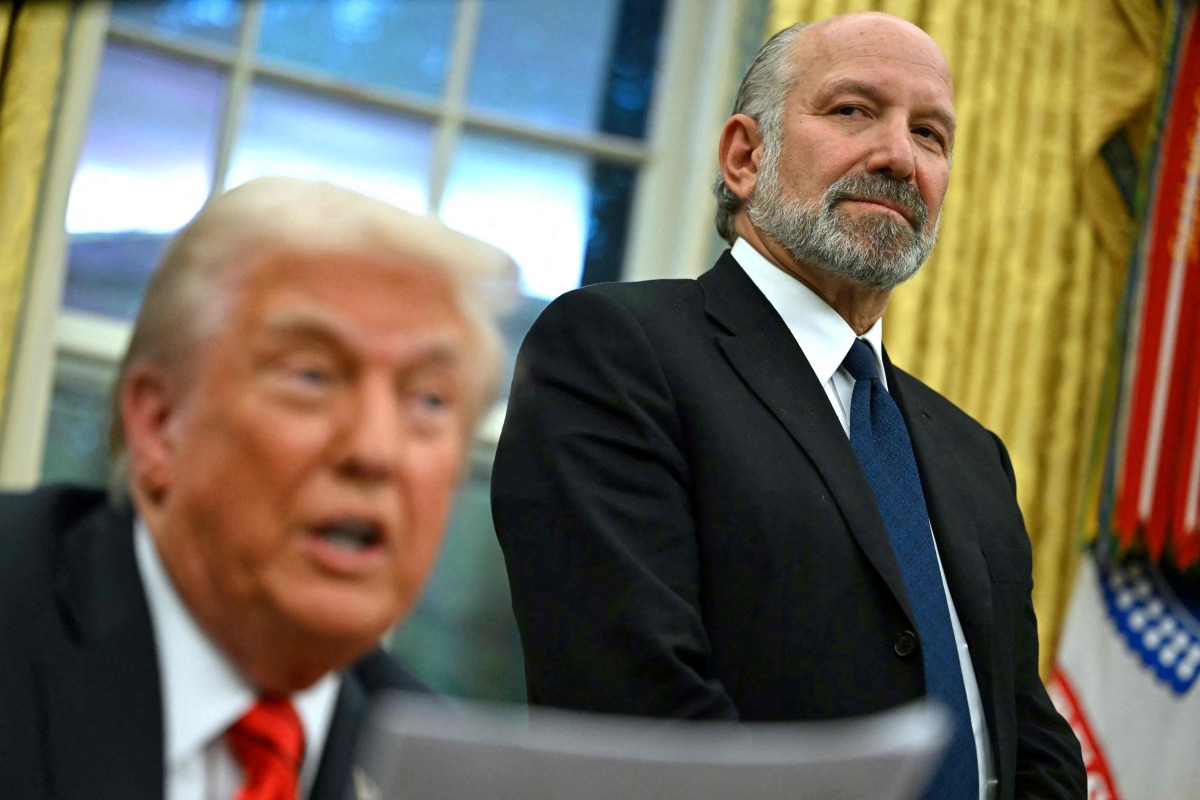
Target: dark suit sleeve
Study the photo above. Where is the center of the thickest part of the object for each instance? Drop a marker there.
(591, 504)
(1049, 761)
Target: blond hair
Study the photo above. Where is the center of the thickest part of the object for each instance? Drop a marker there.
(186, 300)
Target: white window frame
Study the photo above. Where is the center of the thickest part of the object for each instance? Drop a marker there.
(670, 233)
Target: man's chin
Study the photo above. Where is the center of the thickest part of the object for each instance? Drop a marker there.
(307, 637)
(295, 665)
(866, 270)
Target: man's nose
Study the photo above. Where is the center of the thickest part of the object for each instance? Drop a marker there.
(892, 154)
(373, 432)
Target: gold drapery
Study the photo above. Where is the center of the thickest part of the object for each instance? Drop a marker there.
(1014, 316)
(33, 38)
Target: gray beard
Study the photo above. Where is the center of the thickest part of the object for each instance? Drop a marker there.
(877, 250)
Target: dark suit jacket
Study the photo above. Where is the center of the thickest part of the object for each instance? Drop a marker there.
(80, 705)
(689, 533)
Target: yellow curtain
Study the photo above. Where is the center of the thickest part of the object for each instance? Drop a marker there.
(1013, 317)
(32, 41)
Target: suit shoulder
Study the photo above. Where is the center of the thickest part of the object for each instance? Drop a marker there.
(640, 298)
(939, 405)
(609, 312)
(34, 529)
(380, 671)
(34, 522)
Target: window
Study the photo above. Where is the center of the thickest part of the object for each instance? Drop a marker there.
(528, 123)
(431, 104)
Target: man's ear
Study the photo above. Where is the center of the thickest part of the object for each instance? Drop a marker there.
(150, 405)
(739, 152)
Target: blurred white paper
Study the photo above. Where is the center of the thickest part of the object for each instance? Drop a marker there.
(415, 748)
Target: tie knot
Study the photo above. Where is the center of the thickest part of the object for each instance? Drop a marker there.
(268, 742)
(860, 361)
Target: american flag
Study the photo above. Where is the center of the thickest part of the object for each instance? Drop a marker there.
(1128, 662)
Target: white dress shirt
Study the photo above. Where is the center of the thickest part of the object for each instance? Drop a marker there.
(825, 339)
(203, 695)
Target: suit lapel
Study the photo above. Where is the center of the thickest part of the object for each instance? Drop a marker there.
(764, 353)
(333, 781)
(954, 527)
(339, 776)
(766, 356)
(101, 682)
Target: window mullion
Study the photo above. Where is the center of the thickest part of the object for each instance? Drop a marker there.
(237, 93)
(466, 31)
(671, 232)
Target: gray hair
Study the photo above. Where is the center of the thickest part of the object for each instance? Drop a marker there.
(186, 299)
(760, 97)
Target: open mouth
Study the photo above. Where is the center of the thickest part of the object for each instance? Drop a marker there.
(351, 535)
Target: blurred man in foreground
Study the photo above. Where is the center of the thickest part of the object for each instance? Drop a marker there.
(291, 419)
(718, 499)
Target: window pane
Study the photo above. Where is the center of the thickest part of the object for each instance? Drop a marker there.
(608, 222)
(544, 60)
(525, 199)
(552, 211)
(77, 434)
(107, 273)
(147, 158)
(577, 64)
(288, 132)
(462, 637)
(397, 44)
(212, 20)
(145, 169)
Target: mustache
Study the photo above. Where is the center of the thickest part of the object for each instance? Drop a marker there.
(871, 186)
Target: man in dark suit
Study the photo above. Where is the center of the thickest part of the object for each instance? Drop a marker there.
(692, 518)
(291, 419)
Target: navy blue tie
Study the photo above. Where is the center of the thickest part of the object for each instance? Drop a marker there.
(880, 440)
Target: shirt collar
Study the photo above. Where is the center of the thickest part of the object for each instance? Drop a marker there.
(203, 694)
(822, 334)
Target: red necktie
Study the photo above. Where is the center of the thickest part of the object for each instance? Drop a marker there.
(268, 742)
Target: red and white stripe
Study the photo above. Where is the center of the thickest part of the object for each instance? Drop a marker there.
(1158, 490)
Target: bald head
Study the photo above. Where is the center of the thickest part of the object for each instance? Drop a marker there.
(864, 37)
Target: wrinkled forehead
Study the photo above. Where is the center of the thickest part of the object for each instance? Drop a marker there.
(871, 42)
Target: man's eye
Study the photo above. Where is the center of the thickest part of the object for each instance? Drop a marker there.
(431, 401)
(926, 132)
(849, 111)
(431, 410)
(308, 373)
(308, 377)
